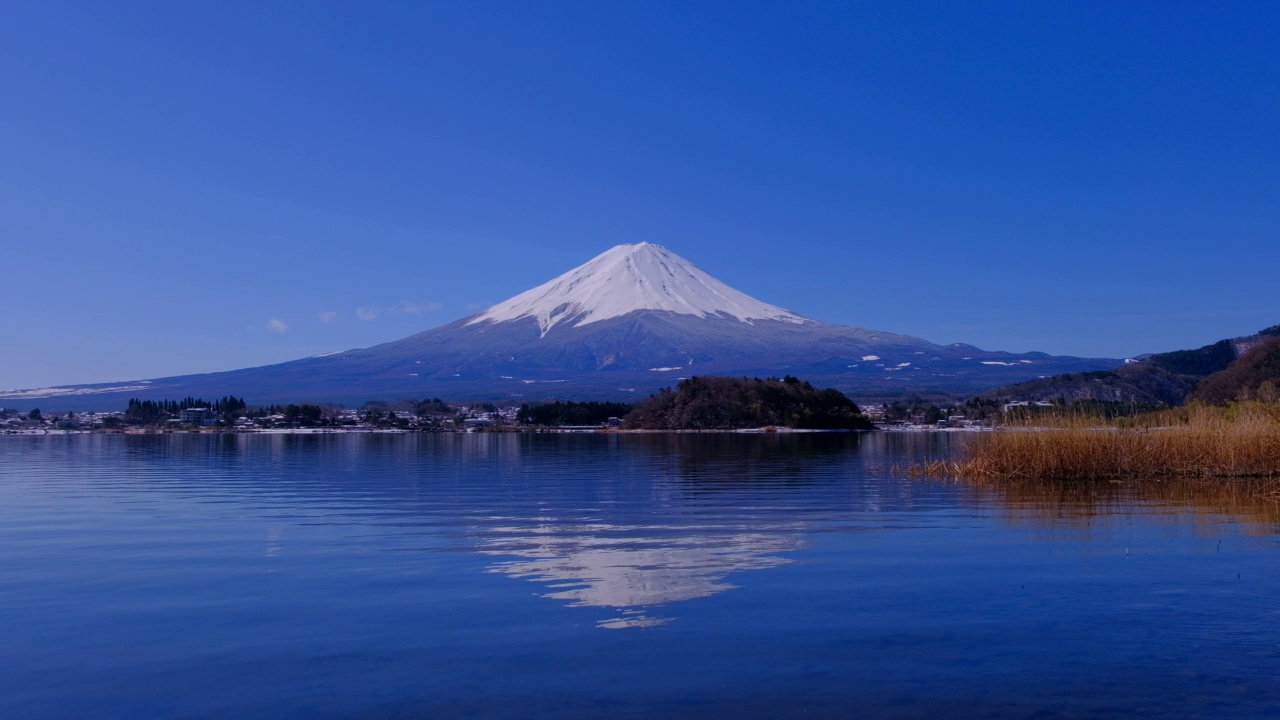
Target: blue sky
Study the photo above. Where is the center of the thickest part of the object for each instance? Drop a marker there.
(190, 187)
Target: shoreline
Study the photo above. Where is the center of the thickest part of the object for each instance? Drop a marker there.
(520, 431)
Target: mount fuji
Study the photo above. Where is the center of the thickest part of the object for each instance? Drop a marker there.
(631, 320)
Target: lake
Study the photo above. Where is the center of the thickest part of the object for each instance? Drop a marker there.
(615, 575)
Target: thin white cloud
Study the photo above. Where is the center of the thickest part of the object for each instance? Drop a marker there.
(413, 307)
(277, 325)
(328, 316)
(404, 307)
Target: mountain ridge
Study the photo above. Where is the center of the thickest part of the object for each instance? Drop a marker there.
(1218, 372)
(629, 321)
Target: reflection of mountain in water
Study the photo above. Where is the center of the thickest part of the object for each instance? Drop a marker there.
(635, 568)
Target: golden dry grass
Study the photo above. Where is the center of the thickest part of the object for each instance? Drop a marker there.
(1239, 441)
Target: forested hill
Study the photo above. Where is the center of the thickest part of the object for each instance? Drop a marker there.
(1254, 376)
(721, 403)
(1221, 372)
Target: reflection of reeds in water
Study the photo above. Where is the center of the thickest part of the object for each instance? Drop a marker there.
(1077, 502)
(1242, 441)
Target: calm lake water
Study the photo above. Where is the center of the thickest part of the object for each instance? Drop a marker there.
(619, 576)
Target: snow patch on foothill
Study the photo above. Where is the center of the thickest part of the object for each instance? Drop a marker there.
(36, 393)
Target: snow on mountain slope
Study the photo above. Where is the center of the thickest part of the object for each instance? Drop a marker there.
(628, 278)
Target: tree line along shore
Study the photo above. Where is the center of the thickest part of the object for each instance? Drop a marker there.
(697, 403)
(1046, 441)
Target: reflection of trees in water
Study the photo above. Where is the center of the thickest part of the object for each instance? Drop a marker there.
(904, 449)
(1076, 503)
(710, 457)
(811, 476)
(204, 450)
(548, 464)
(714, 460)
(626, 477)
(372, 456)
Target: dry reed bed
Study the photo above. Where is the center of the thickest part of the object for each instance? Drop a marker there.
(1195, 442)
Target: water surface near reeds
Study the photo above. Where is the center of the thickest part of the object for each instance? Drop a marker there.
(513, 576)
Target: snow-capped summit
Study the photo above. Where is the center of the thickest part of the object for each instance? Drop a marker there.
(628, 278)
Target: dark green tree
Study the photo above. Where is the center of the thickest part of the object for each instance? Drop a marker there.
(571, 413)
(713, 403)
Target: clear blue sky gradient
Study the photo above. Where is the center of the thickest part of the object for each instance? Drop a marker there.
(1080, 178)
